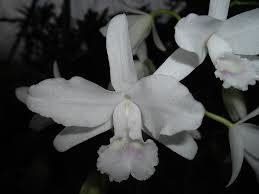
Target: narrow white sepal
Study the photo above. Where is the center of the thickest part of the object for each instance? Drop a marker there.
(237, 153)
(219, 9)
(72, 136)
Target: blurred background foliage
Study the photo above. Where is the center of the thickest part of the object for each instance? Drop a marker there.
(31, 165)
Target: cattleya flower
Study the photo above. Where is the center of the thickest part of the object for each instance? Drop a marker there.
(232, 45)
(140, 25)
(243, 139)
(157, 104)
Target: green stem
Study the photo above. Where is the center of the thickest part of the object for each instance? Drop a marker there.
(219, 119)
(167, 12)
(236, 2)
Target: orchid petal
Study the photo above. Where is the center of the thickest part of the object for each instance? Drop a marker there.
(250, 137)
(74, 102)
(122, 158)
(179, 64)
(139, 29)
(122, 69)
(235, 71)
(182, 143)
(254, 163)
(127, 120)
(234, 103)
(241, 33)
(217, 47)
(159, 44)
(193, 32)
(21, 94)
(142, 71)
(143, 165)
(166, 105)
(38, 122)
(113, 161)
(219, 9)
(237, 152)
(72, 136)
(250, 115)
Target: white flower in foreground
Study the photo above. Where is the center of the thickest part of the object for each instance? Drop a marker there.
(244, 143)
(232, 45)
(140, 26)
(158, 104)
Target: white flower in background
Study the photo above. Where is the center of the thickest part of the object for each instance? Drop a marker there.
(140, 26)
(244, 143)
(234, 102)
(232, 45)
(157, 104)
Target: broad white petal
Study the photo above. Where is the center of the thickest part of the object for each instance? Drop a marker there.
(193, 32)
(74, 102)
(234, 103)
(166, 105)
(179, 64)
(235, 71)
(250, 137)
(250, 115)
(38, 122)
(159, 44)
(241, 32)
(21, 94)
(254, 163)
(127, 120)
(72, 136)
(139, 29)
(182, 143)
(237, 152)
(122, 69)
(122, 158)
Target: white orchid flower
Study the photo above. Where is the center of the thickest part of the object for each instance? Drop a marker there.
(244, 143)
(158, 104)
(232, 45)
(140, 26)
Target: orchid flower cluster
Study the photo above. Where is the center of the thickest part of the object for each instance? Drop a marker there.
(157, 104)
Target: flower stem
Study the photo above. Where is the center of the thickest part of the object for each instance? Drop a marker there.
(237, 2)
(219, 119)
(167, 12)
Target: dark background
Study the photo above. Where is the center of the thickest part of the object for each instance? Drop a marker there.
(31, 165)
